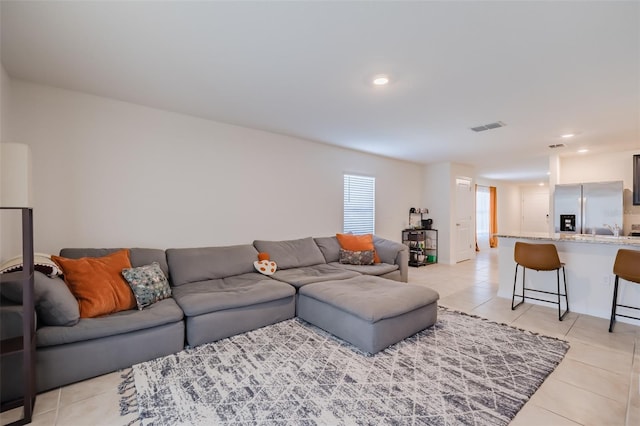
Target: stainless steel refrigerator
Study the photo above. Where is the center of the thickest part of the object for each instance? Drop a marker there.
(588, 208)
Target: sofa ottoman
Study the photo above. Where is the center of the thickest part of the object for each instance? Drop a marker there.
(367, 311)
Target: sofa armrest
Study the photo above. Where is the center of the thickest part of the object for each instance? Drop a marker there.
(402, 260)
(393, 253)
(10, 319)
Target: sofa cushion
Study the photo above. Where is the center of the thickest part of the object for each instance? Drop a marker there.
(298, 277)
(11, 319)
(375, 269)
(209, 263)
(98, 284)
(164, 312)
(371, 298)
(240, 291)
(292, 253)
(137, 256)
(387, 250)
(357, 243)
(330, 248)
(55, 305)
(149, 284)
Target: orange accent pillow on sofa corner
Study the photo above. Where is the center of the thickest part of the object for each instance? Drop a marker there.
(363, 242)
(98, 284)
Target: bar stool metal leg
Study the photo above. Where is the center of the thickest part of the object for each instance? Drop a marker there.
(513, 296)
(614, 304)
(566, 298)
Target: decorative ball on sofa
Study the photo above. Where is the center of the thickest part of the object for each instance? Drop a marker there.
(264, 265)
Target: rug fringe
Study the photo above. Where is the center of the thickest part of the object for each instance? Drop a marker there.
(133, 422)
(128, 404)
(128, 382)
(129, 399)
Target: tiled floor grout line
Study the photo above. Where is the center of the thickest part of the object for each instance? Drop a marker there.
(55, 418)
(585, 389)
(634, 354)
(560, 415)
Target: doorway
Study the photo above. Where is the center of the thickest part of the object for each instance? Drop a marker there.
(482, 217)
(464, 220)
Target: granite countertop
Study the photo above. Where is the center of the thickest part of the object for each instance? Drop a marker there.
(579, 238)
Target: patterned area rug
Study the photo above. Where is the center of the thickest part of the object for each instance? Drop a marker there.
(463, 370)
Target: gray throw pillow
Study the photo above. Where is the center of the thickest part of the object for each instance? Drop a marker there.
(330, 248)
(148, 283)
(292, 253)
(55, 305)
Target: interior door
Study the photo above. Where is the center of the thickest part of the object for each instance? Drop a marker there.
(535, 210)
(465, 244)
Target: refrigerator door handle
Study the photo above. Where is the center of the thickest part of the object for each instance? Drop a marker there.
(583, 222)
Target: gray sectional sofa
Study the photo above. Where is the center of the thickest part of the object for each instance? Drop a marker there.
(70, 349)
(221, 294)
(216, 293)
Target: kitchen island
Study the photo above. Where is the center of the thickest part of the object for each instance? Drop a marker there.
(589, 270)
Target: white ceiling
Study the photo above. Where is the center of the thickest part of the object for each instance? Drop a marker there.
(304, 69)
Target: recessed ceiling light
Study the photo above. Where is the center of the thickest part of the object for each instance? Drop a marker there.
(548, 173)
(567, 136)
(381, 80)
(541, 184)
(583, 150)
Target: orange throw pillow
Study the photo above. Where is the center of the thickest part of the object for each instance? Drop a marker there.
(352, 242)
(98, 284)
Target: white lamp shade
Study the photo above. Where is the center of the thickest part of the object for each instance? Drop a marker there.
(15, 175)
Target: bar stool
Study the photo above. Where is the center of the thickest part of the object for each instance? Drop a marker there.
(539, 257)
(627, 267)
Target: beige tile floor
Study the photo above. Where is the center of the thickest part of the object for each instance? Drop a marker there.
(597, 383)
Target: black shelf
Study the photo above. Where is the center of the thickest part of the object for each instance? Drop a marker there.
(423, 246)
(25, 344)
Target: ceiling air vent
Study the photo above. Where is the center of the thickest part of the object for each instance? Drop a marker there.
(489, 126)
(557, 145)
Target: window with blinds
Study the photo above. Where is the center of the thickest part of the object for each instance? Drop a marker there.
(359, 204)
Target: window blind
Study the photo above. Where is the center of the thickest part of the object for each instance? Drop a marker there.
(359, 204)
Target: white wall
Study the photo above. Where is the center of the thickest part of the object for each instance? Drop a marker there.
(10, 220)
(604, 167)
(4, 97)
(111, 174)
(598, 167)
(439, 196)
(534, 208)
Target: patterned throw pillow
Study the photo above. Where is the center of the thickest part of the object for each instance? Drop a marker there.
(148, 283)
(364, 257)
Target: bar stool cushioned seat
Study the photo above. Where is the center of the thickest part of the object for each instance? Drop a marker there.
(539, 257)
(627, 267)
